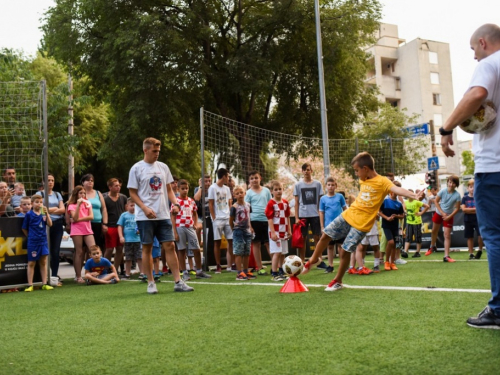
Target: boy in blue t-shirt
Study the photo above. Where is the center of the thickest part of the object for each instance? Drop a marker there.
(331, 205)
(447, 205)
(97, 269)
(34, 227)
(470, 222)
(391, 211)
(129, 236)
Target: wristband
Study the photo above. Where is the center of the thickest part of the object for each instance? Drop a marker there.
(445, 132)
(177, 204)
(105, 224)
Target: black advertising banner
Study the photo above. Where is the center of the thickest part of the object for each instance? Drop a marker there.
(13, 254)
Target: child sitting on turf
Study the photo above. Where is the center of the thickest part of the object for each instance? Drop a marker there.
(355, 222)
(278, 216)
(331, 205)
(25, 206)
(447, 205)
(470, 222)
(34, 227)
(239, 220)
(391, 211)
(414, 224)
(185, 232)
(129, 236)
(97, 269)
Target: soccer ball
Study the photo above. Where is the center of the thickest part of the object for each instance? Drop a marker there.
(482, 120)
(293, 265)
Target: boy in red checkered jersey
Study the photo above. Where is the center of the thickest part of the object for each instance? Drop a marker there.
(278, 215)
(185, 232)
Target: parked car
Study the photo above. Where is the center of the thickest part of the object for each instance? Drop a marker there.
(67, 249)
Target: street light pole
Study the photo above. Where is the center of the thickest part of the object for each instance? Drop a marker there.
(322, 96)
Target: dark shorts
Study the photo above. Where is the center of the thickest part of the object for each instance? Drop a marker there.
(312, 222)
(469, 229)
(241, 242)
(391, 234)
(161, 229)
(112, 238)
(261, 229)
(337, 242)
(438, 219)
(132, 250)
(414, 230)
(35, 252)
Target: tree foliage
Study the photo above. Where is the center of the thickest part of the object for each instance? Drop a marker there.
(158, 62)
(468, 162)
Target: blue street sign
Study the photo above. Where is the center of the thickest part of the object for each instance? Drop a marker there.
(416, 130)
(433, 163)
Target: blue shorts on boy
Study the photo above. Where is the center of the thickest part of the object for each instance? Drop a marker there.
(37, 236)
(101, 267)
(242, 240)
(156, 253)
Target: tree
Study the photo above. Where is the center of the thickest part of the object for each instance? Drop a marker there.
(384, 136)
(158, 62)
(468, 162)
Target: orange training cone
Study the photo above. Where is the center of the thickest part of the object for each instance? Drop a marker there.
(293, 285)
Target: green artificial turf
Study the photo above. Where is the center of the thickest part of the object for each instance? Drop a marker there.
(233, 329)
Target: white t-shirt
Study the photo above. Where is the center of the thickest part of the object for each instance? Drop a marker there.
(221, 197)
(151, 181)
(485, 146)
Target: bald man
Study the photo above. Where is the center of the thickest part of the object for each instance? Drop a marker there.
(485, 85)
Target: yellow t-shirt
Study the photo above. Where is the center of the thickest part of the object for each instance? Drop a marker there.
(362, 213)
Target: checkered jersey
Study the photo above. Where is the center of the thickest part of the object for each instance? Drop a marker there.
(279, 214)
(185, 216)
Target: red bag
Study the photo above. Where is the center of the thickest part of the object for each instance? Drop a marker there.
(297, 240)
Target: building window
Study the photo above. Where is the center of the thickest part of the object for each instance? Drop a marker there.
(436, 99)
(438, 119)
(433, 57)
(435, 78)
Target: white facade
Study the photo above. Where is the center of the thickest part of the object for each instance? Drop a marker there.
(415, 77)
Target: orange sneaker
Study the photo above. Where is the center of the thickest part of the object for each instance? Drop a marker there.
(352, 271)
(387, 266)
(365, 271)
(393, 267)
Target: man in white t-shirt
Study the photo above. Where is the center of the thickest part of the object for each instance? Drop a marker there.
(219, 203)
(149, 187)
(484, 86)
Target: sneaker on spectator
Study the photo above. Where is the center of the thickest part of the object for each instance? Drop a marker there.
(387, 266)
(352, 271)
(431, 250)
(47, 287)
(125, 277)
(400, 261)
(233, 268)
(471, 256)
(164, 269)
(251, 276)
(218, 269)
(185, 276)
(277, 278)
(242, 276)
(333, 286)
(329, 269)
(478, 254)
(364, 271)
(404, 254)
(192, 272)
(416, 255)
(29, 289)
(181, 286)
(322, 266)
(88, 282)
(376, 269)
(203, 275)
(393, 267)
(262, 271)
(448, 259)
(142, 277)
(113, 281)
(152, 288)
(485, 319)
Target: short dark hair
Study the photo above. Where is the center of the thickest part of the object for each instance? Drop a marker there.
(9, 167)
(330, 179)
(222, 172)
(254, 173)
(454, 178)
(363, 159)
(389, 174)
(86, 177)
(397, 183)
(305, 165)
(182, 182)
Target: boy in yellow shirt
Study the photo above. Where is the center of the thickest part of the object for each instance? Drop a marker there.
(358, 219)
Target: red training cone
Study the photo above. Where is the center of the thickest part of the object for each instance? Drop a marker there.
(293, 285)
(251, 259)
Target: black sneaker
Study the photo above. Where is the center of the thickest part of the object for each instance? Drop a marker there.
(471, 256)
(478, 254)
(486, 319)
(416, 255)
(322, 266)
(404, 254)
(329, 269)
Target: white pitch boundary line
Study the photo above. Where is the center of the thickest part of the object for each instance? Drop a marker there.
(400, 288)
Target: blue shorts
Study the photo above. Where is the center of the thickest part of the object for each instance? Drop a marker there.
(36, 251)
(339, 228)
(242, 240)
(161, 229)
(156, 253)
